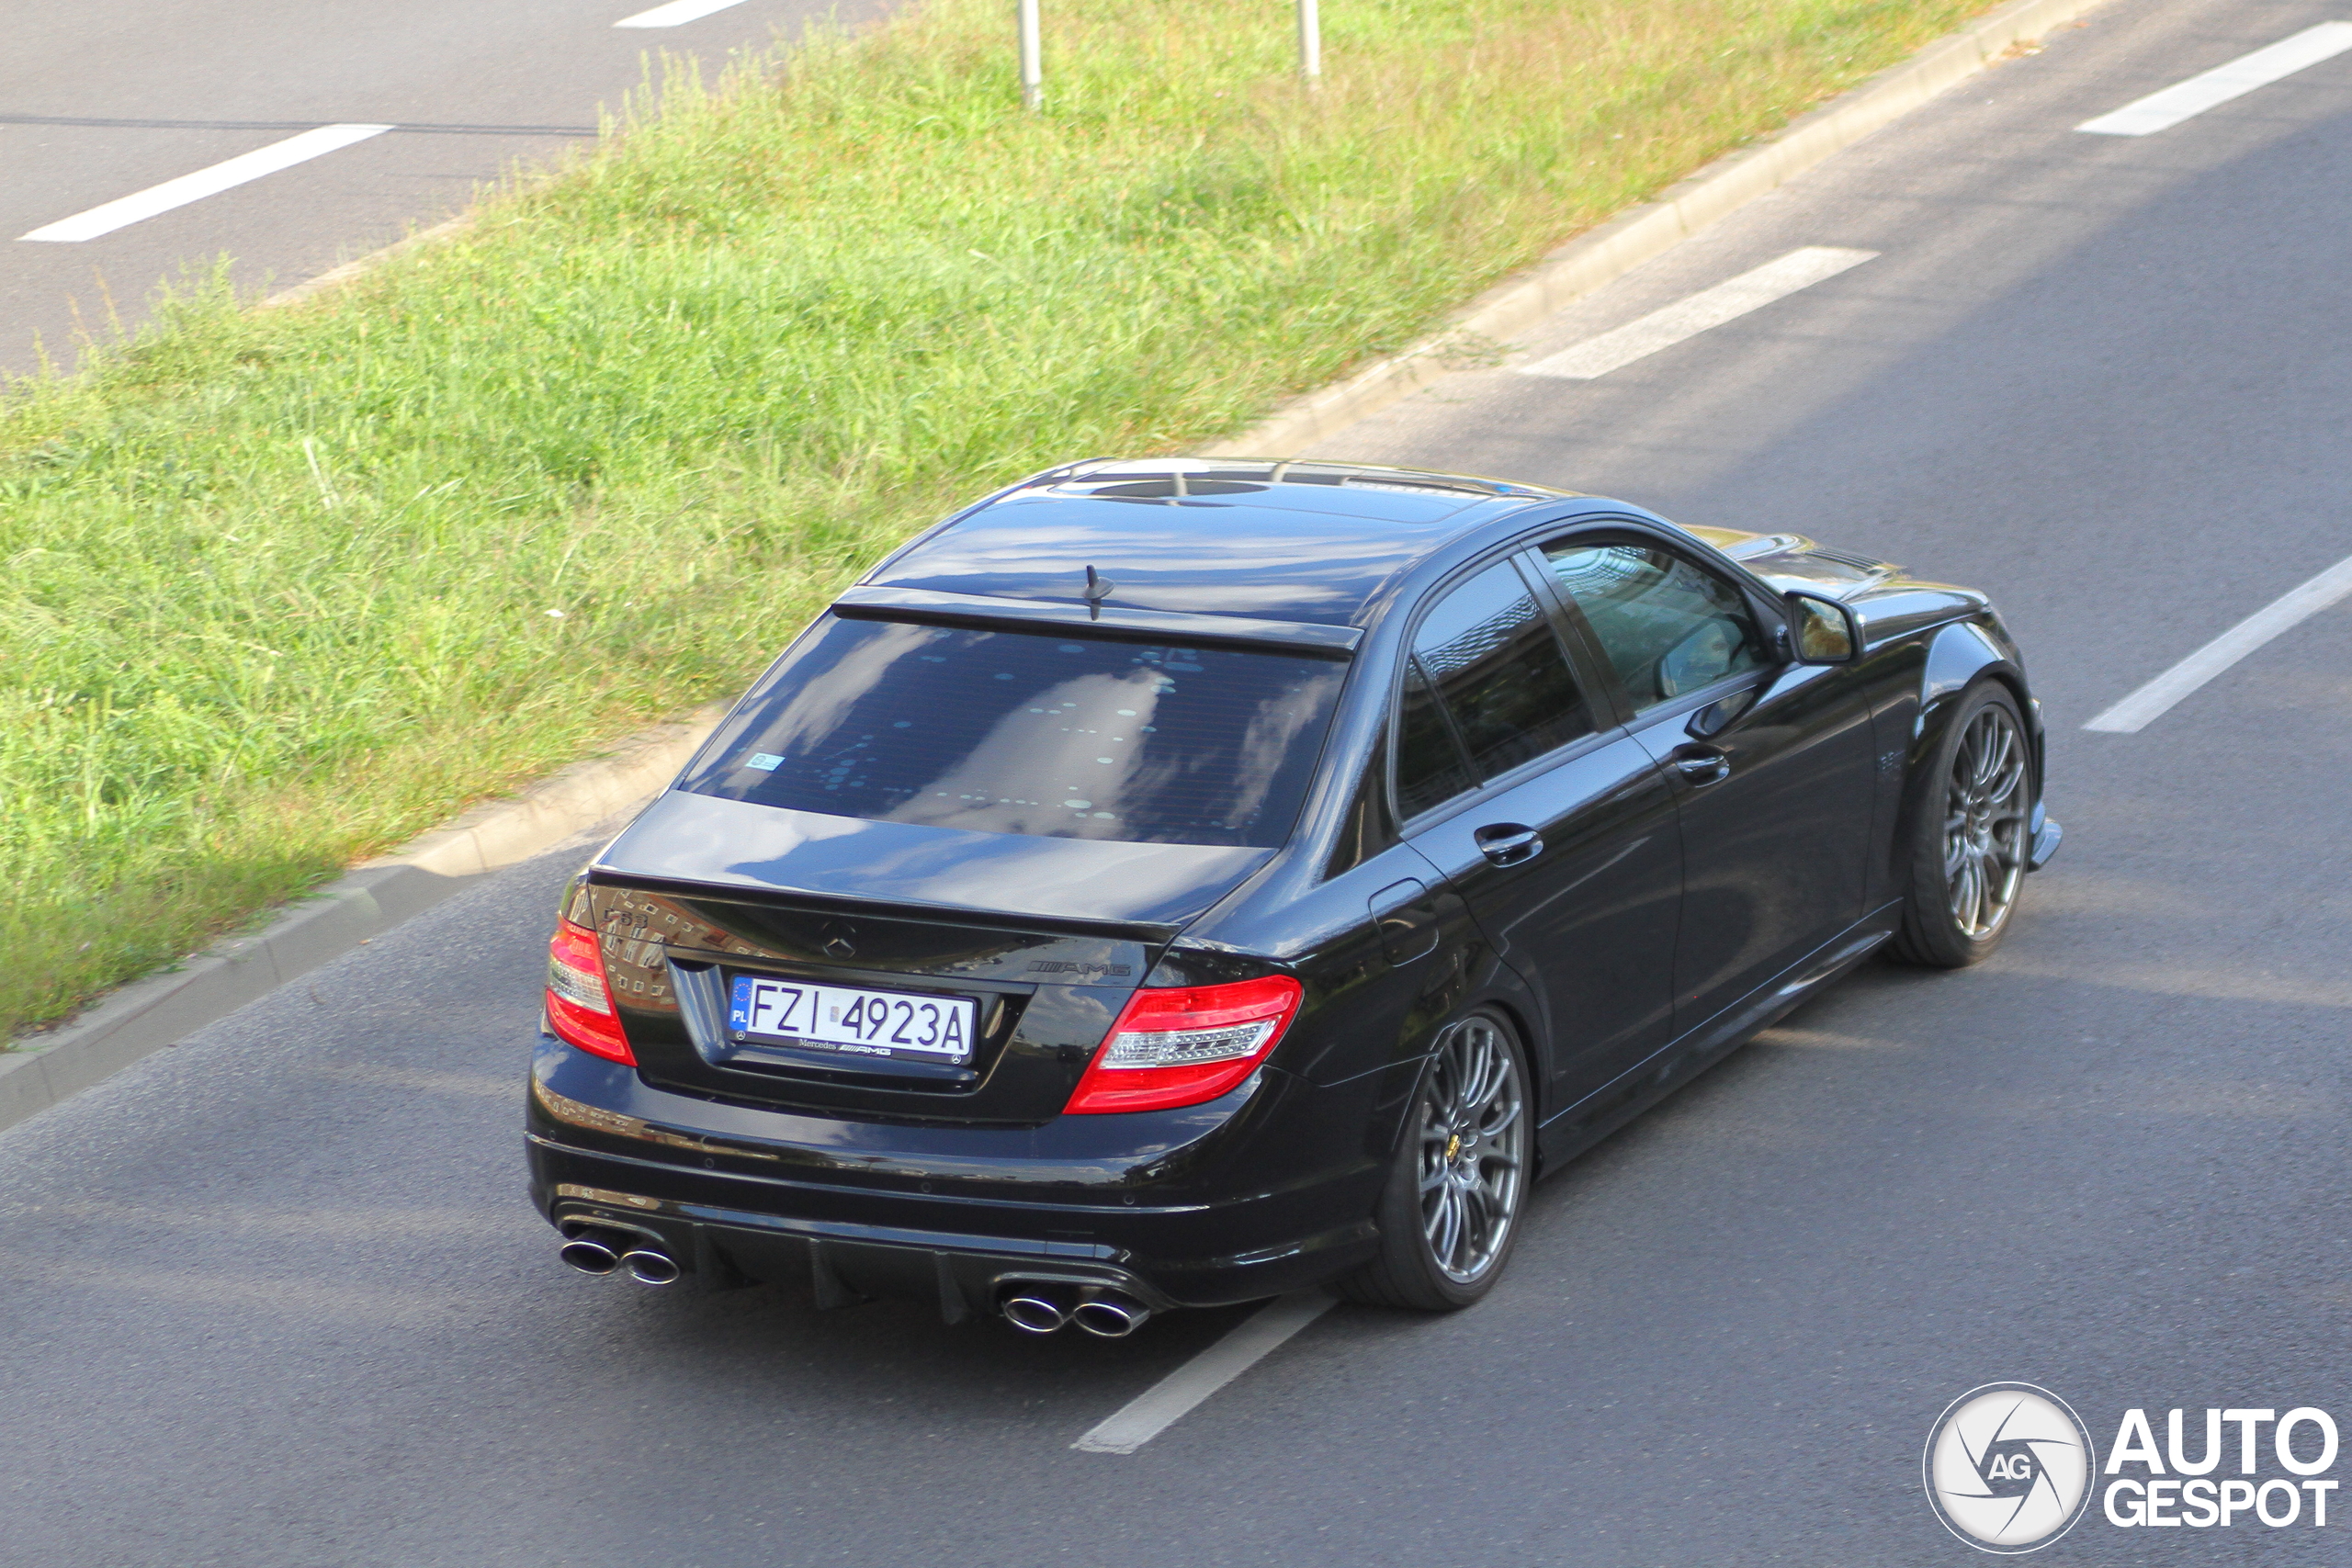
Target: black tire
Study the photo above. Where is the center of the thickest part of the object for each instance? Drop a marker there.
(1972, 835)
(1468, 1146)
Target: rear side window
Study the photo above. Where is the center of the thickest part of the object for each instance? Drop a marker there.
(1012, 732)
(1430, 768)
(1489, 689)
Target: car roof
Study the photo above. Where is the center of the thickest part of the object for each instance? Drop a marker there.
(1277, 542)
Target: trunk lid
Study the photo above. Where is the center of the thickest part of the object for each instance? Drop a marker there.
(1047, 936)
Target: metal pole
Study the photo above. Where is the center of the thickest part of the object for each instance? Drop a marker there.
(1310, 44)
(1033, 72)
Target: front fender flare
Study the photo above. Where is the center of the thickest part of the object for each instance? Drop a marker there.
(1960, 656)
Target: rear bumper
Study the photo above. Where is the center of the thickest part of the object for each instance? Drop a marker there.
(1206, 1207)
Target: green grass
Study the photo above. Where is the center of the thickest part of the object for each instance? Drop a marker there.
(285, 587)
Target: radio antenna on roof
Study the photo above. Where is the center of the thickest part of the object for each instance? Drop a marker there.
(1098, 588)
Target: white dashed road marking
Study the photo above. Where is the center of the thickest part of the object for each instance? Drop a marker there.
(677, 13)
(2240, 76)
(206, 181)
(2150, 702)
(1687, 318)
(1167, 1401)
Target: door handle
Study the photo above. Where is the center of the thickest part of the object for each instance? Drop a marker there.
(1703, 764)
(1508, 843)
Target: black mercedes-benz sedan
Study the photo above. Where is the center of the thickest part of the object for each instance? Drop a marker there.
(1174, 883)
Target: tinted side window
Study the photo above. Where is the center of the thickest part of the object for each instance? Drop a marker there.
(1490, 654)
(1666, 627)
(1430, 768)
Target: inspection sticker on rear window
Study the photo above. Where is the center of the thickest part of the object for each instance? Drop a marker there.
(858, 1023)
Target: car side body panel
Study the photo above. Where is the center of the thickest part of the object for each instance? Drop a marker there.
(1924, 644)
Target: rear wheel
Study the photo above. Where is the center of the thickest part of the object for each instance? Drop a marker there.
(1450, 1214)
(1970, 839)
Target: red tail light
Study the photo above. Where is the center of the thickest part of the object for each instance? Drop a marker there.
(580, 1004)
(1182, 1045)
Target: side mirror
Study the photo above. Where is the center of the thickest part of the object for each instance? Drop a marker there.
(1822, 630)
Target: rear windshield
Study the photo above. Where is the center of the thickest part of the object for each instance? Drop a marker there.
(1012, 732)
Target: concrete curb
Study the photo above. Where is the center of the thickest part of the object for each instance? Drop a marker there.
(1616, 247)
(162, 1009)
(360, 266)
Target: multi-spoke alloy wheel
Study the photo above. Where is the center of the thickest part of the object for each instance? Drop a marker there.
(1974, 838)
(1473, 1139)
(1985, 833)
(1453, 1206)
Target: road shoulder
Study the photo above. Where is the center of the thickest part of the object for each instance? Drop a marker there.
(138, 1020)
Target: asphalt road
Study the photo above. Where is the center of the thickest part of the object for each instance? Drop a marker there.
(274, 1297)
(103, 98)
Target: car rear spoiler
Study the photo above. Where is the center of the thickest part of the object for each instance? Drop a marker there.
(930, 605)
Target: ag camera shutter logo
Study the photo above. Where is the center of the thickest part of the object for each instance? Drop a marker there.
(2009, 1467)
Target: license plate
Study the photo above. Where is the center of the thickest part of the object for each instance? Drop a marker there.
(851, 1019)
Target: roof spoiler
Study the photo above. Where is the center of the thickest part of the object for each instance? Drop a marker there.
(1098, 619)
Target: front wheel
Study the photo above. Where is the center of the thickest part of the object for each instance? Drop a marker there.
(1970, 839)
(1451, 1211)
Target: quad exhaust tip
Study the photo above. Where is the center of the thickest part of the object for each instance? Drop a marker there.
(1106, 1315)
(648, 1267)
(589, 1256)
(1110, 1315)
(1034, 1314)
(601, 1251)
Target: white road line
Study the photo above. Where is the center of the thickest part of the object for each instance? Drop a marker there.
(1167, 1401)
(1687, 318)
(2240, 76)
(2150, 702)
(677, 13)
(205, 182)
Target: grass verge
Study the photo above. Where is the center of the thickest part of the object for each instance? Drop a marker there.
(285, 587)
